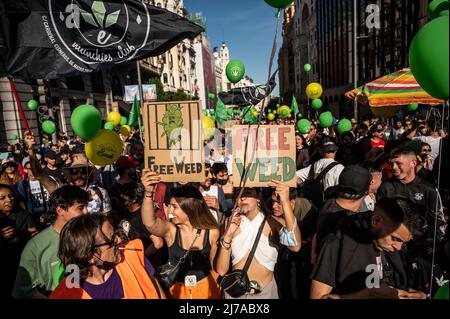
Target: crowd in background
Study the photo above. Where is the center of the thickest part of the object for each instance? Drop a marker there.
(365, 197)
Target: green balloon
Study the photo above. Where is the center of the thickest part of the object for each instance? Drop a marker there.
(344, 125)
(284, 113)
(33, 105)
(326, 119)
(109, 126)
(13, 137)
(307, 67)
(49, 127)
(235, 71)
(316, 104)
(211, 96)
(442, 292)
(86, 121)
(279, 4)
(304, 126)
(428, 54)
(413, 107)
(123, 120)
(142, 129)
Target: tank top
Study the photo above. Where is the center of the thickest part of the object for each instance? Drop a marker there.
(197, 261)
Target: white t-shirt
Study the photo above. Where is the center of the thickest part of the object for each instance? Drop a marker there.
(330, 179)
(213, 191)
(368, 204)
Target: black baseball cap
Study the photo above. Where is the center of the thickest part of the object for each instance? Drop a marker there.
(354, 180)
(329, 146)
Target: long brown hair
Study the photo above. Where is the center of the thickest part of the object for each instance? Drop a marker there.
(4, 178)
(193, 204)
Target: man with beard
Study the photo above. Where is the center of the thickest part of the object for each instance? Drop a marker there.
(80, 174)
(108, 270)
(212, 194)
(406, 183)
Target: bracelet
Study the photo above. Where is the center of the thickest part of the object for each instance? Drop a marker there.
(225, 245)
(149, 194)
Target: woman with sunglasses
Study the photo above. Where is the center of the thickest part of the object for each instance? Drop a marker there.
(191, 235)
(424, 167)
(105, 269)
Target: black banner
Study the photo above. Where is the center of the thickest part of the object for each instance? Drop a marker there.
(47, 39)
(248, 95)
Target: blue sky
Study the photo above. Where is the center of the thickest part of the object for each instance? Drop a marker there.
(249, 28)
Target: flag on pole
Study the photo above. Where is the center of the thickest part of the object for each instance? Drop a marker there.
(294, 105)
(221, 112)
(135, 113)
(50, 39)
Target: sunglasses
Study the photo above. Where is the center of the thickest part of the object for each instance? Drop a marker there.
(426, 150)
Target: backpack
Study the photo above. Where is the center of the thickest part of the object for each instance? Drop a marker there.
(312, 188)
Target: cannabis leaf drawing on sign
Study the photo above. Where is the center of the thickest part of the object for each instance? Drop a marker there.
(98, 11)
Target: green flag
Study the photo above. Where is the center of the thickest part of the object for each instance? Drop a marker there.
(133, 119)
(221, 112)
(294, 105)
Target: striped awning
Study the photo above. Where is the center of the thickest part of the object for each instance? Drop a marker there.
(398, 88)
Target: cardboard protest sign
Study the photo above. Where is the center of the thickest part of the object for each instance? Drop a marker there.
(174, 140)
(274, 154)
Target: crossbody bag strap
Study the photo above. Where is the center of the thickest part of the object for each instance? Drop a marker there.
(182, 259)
(326, 170)
(255, 244)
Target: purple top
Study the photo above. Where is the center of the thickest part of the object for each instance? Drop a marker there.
(112, 288)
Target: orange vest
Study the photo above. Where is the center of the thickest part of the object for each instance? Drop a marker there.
(135, 280)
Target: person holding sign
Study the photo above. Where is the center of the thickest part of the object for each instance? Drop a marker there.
(241, 231)
(191, 235)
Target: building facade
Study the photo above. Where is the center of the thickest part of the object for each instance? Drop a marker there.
(325, 31)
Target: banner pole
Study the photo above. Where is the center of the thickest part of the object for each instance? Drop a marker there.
(141, 93)
(19, 105)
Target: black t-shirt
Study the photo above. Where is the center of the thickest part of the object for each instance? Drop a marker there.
(348, 251)
(422, 194)
(55, 173)
(329, 217)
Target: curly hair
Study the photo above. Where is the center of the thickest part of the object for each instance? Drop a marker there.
(65, 197)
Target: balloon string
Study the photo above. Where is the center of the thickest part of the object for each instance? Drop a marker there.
(246, 168)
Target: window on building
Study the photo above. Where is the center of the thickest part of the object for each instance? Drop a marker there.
(165, 79)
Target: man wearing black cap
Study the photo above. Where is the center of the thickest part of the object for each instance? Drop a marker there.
(353, 186)
(326, 164)
(51, 168)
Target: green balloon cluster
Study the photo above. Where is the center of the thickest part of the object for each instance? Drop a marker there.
(49, 127)
(413, 107)
(304, 126)
(235, 71)
(316, 104)
(326, 119)
(279, 4)
(86, 121)
(33, 105)
(429, 51)
(344, 125)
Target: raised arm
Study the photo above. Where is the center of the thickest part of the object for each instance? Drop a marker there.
(222, 260)
(282, 190)
(155, 225)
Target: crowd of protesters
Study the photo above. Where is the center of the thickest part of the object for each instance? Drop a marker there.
(365, 221)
